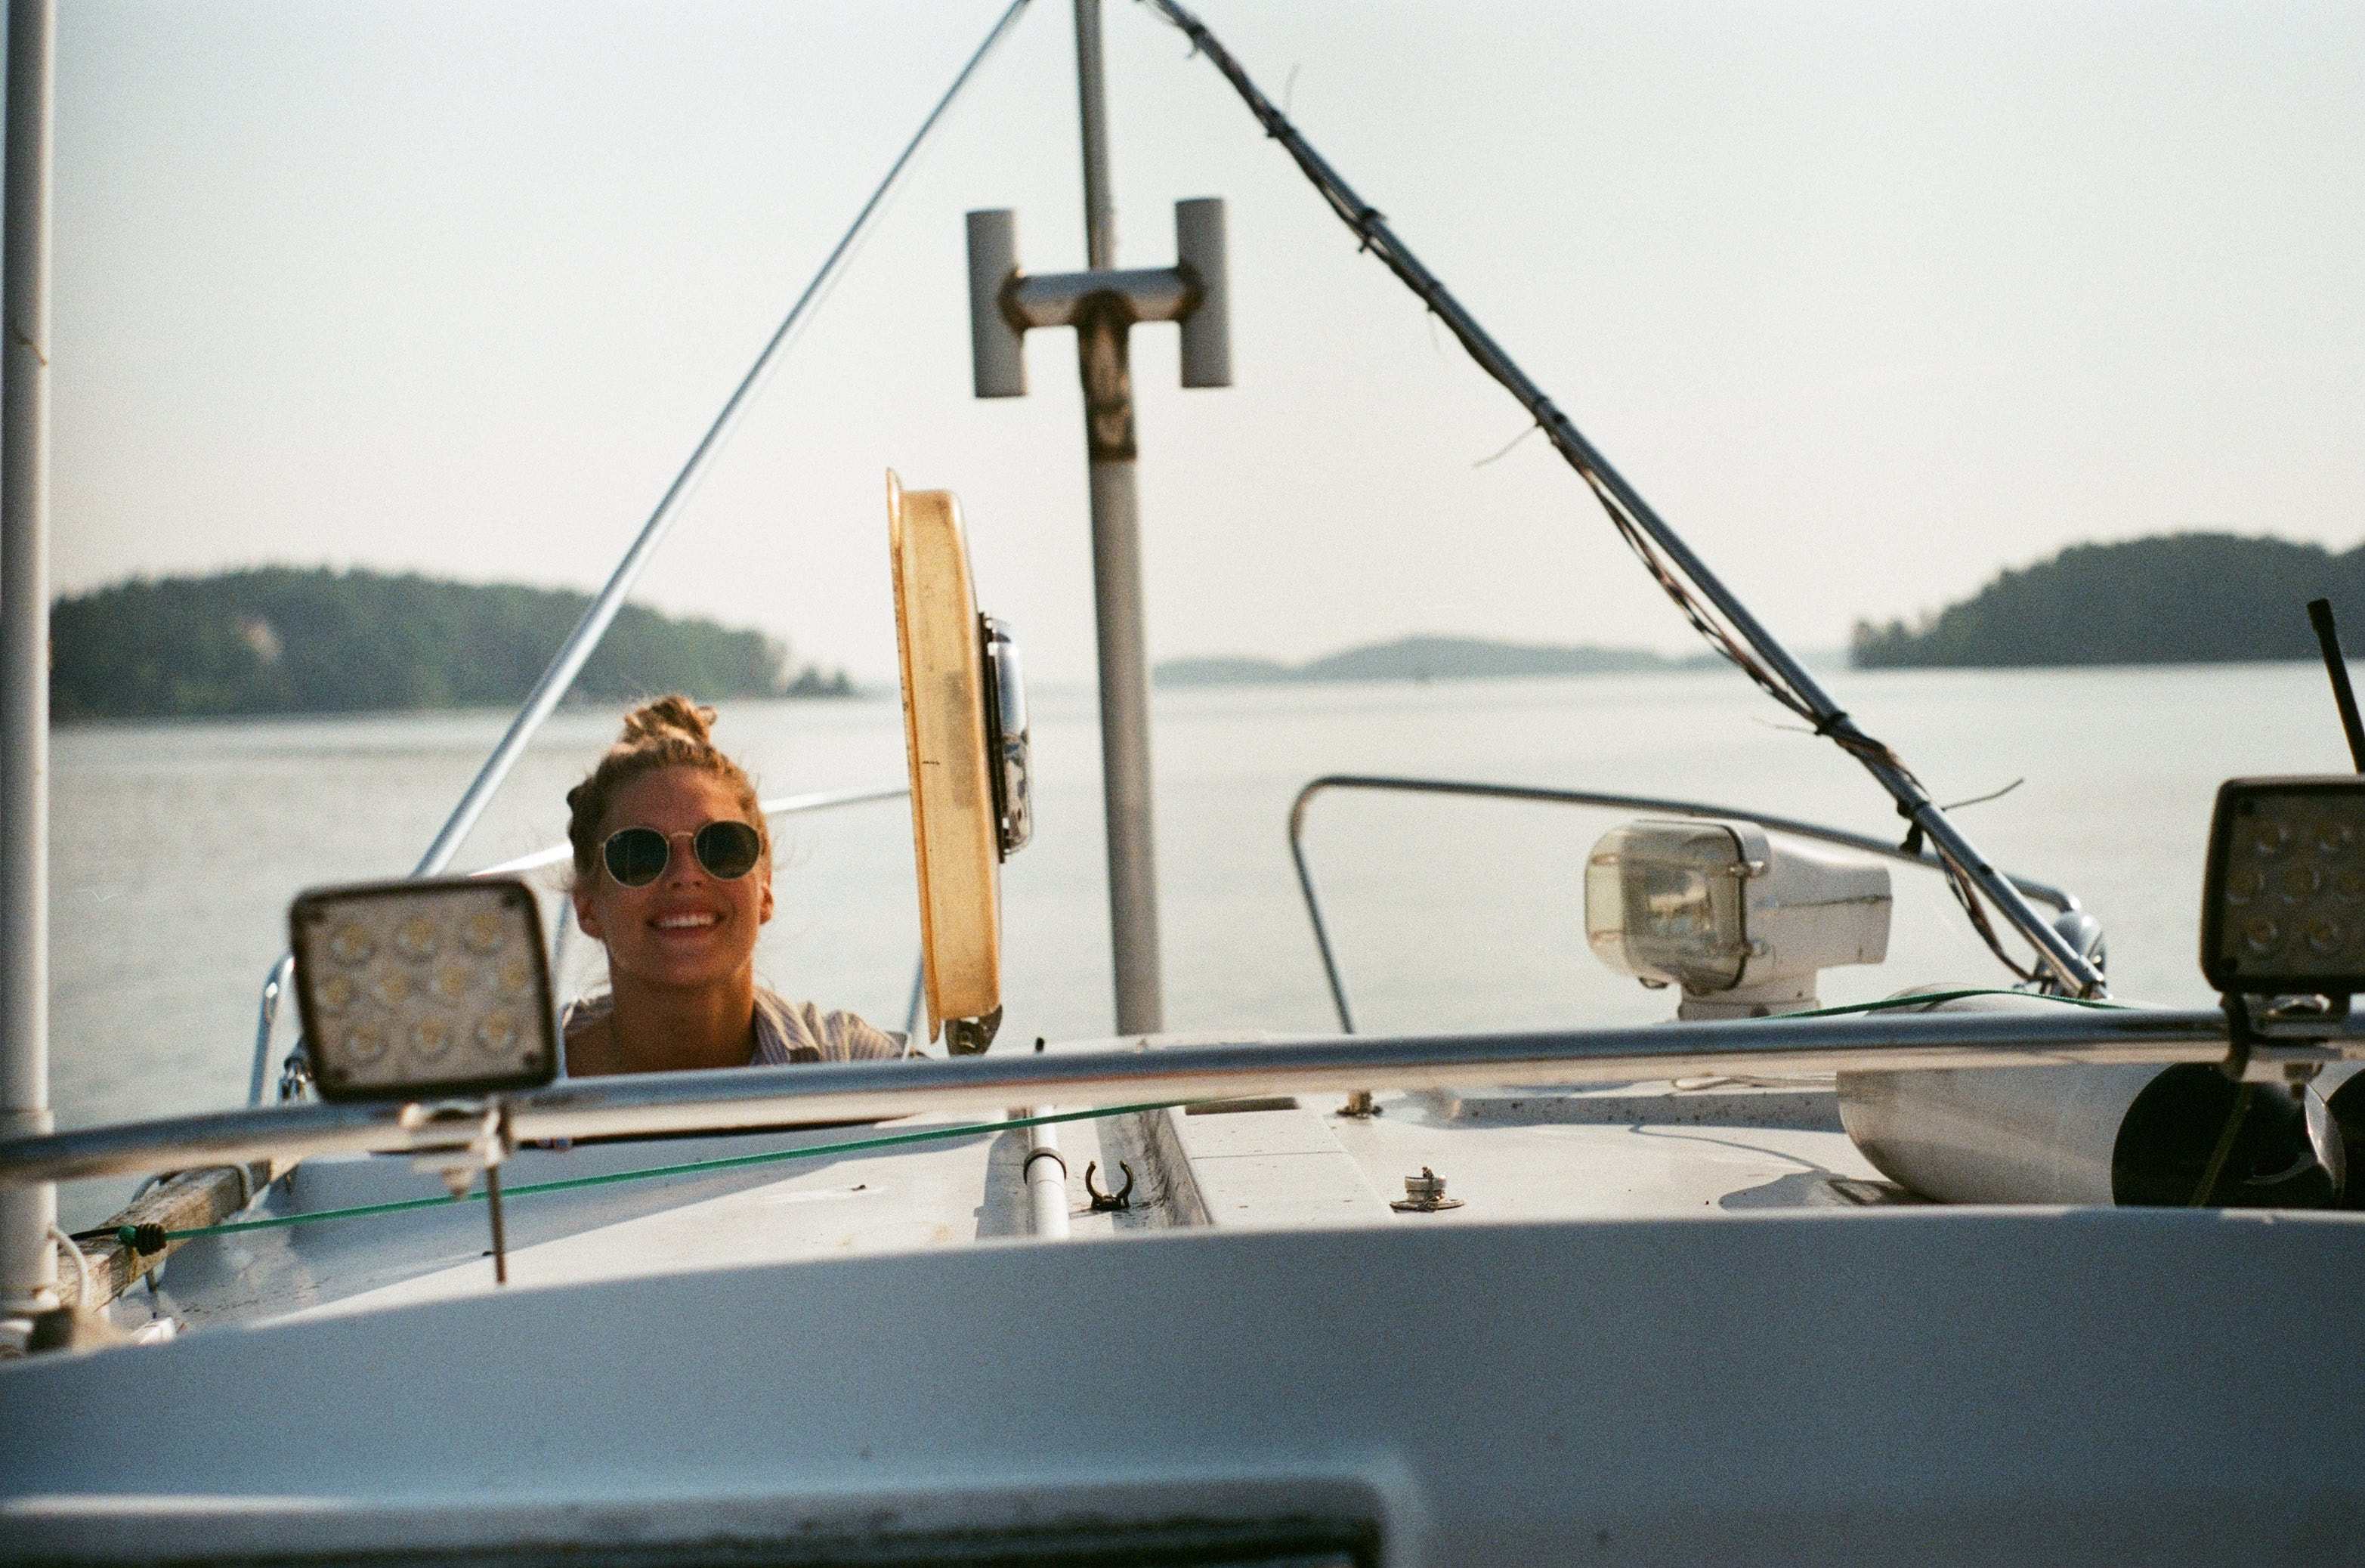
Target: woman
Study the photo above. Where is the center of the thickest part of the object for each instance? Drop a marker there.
(673, 873)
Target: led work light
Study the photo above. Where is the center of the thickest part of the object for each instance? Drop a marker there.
(2283, 902)
(410, 990)
(1713, 907)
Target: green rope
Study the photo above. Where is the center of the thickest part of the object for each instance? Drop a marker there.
(126, 1234)
(695, 1167)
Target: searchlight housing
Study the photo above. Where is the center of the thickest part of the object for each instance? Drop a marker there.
(1712, 907)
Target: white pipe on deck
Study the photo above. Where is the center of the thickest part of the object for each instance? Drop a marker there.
(29, 1269)
(1046, 1180)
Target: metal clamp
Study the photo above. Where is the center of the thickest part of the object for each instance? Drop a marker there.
(1109, 1202)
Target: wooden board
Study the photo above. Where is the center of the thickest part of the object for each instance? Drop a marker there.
(185, 1202)
(953, 821)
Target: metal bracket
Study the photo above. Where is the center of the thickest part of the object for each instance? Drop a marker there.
(1006, 303)
(482, 1127)
(969, 1036)
(296, 1074)
(1109, 1202)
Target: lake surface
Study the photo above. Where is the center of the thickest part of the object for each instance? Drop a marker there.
(176, 848)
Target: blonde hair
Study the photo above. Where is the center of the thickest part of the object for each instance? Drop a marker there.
(670, 732)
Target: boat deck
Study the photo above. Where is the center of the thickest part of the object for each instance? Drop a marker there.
(1695, 1148)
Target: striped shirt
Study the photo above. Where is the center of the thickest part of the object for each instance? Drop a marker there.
(786, 1031)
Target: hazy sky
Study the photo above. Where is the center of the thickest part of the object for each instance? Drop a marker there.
(1869, 300)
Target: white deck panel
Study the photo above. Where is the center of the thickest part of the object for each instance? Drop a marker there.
(906, 1198)
(1634, 1151)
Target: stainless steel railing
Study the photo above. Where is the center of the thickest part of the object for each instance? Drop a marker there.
(274, 984)
(1124, 1073)
(2042, 891)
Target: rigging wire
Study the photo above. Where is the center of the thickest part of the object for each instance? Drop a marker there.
(1652, 545)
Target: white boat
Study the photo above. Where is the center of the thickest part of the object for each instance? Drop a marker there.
(2004, 1270)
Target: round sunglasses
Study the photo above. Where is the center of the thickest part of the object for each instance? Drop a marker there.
(636, 856)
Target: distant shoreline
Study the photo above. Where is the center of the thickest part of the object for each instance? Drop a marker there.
(1084, 692)
(1425, 658)
(2177, 599)
(289, 642)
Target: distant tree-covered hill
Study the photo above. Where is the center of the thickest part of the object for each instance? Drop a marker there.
(285, 640)
(2170, 598)
(1420, 658)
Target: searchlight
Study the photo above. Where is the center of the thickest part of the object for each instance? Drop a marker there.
(1714, 907)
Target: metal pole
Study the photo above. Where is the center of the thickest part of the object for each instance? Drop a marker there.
(266, 1015)
(29, 1269)
(1092, 103)
(1102, 357)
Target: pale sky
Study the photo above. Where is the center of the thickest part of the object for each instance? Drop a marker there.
(1869, 300)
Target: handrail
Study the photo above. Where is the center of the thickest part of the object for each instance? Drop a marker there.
(779, 806)
(276, 981)
(1127, 1072)
(2056, 897)
(266, 1015)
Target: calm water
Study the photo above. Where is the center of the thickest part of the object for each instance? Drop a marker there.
(178, 847)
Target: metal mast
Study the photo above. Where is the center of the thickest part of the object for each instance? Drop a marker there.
(1104, 359)
(29, 1269)
(1103, 303)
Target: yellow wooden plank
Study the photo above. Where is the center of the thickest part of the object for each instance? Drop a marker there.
(953, 822)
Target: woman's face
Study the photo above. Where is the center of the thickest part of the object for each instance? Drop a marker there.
(687, 928)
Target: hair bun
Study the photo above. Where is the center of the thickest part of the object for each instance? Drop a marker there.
(676, 715)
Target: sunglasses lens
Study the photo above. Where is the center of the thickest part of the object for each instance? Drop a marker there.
(728, 849)
(636, 856)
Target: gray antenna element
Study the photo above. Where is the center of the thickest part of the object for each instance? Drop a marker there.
(1207, 326)
(997, 345)
(1004, 303)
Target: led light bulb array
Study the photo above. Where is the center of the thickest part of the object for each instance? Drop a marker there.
(2283, 899)
(426, 987)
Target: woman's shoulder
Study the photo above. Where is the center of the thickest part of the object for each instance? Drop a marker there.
(788, 1031)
